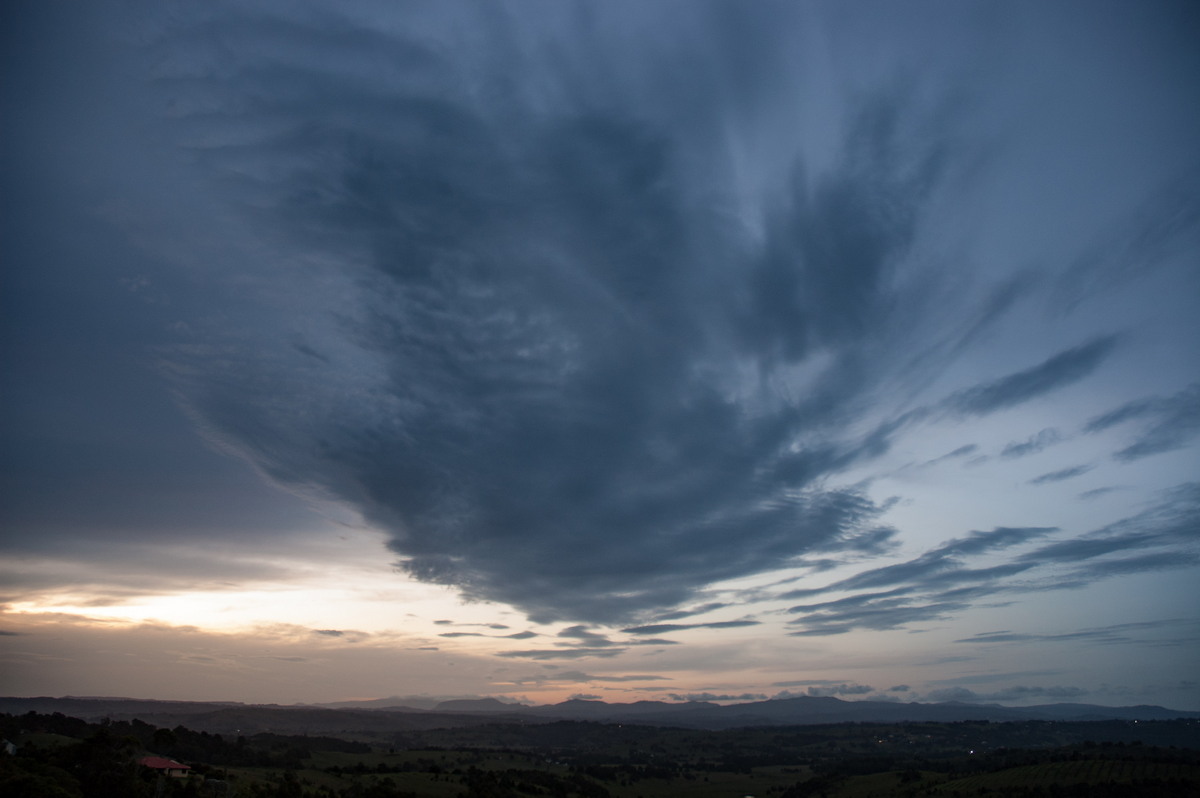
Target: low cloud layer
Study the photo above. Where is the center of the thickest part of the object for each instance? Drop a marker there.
(707, 696)
(1015, 693)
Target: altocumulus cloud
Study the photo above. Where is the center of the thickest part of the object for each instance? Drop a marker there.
(828, 690)
(512, 301)
(706, 696)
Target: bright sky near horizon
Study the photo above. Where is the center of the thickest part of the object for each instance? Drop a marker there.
(612, 349)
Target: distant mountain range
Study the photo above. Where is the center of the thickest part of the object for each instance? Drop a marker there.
(398, 714)
(803, 710)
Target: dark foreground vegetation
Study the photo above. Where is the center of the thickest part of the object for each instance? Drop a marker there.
(62, 757)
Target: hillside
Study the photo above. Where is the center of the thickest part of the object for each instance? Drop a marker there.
(233, 718)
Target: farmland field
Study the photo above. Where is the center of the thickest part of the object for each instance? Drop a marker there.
(70, 758)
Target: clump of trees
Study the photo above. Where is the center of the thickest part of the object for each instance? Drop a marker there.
(99, 760)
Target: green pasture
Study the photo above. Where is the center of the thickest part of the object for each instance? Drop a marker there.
(1095, 771)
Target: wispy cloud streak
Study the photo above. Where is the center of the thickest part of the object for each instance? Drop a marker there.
(938, 584)
(1068, 366)
(1171, 422)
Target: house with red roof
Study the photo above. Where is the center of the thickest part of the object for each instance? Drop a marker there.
(168, 767)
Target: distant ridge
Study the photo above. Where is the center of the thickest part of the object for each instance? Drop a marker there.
(100, 707)
(225, 717)
(475, 705)
(391, 702)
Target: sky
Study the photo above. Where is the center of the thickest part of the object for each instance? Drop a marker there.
(617, 350)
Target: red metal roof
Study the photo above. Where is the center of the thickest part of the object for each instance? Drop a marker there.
(162, 763)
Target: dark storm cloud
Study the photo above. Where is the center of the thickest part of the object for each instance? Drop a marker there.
(509, 283)
(1171, 422)
(91, 446)
(1061, 474)
(823, 277)
(1063, 369)
(562, 375)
